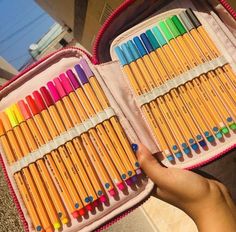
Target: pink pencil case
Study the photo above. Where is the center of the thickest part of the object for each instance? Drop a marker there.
(125, 20)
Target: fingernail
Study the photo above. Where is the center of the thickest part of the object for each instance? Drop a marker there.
(134, 147)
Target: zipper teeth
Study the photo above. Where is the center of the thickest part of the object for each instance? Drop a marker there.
(228, 7)
(212, 158)
(105, 25)
(14, 197)
(40, 61)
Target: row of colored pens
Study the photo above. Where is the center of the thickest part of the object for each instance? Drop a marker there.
(193, 115)
(87, 169)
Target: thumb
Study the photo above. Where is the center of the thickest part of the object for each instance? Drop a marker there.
(152, 167)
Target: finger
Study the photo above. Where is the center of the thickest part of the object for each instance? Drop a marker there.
(152, 167)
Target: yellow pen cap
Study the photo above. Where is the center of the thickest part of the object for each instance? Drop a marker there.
(12, 117)
(17, 112)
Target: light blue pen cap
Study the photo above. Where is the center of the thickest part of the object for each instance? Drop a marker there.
(134, 50)
(121, 56)
(140, 46)
(152, 39)
(127, 52)
(159, 36)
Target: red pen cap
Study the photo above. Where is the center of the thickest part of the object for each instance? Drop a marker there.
(32, 105)
(46, 96)
(59, 87)
(39, 100)
(24, 108)
(66, 83)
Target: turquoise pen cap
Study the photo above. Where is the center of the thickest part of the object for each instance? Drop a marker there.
(120, 56)
(127, 52)
(140, 46)
(134, 50)
(159, 36)
(152, 39)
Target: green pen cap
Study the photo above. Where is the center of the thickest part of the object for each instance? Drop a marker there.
(233, 126)
(165, 31)
(172, 27)
(178, 24)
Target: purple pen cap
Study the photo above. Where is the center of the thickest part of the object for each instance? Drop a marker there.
(73, 79)
(66, 83)
(86, 68)
(52, 89)
(81, 74)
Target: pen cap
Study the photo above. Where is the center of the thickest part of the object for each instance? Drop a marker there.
(46, 96)
(180, 27)
(133, 50)
(186, 21)
(193, 18)
(165, 31)
(39, 101)
(53, 90)
(172, 27)
(24, 108)
(32, 105)
(59, 87)
(73, 79)
(86, 68)
(152, 40)
(120, 56)
(140, 46)
(66, 83)
(12, 117)
(81, 74)
(16, 110)
(5, 120)
(159, 36)
(128, 54)
(146, 42)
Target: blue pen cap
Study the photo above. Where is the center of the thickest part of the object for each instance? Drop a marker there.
(134, 50)
(128, 53)
(159, 36)
(152, 39)
(120, 56)
(140, 46)
(146, 42)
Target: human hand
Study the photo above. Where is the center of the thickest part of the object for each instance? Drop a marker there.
(206, 201)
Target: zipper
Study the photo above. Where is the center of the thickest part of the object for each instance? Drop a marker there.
(105, 25)
(228, 7)
(40, 61)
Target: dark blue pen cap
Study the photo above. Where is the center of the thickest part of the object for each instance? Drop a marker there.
(134, 49)
(121, 56)
(146, 42)
(140, 46)
(81, 74)
(152, 39)
(128, 53)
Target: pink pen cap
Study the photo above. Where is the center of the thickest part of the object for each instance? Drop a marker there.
(103, 198)
(53, 90)
(59, 87)
(129, 182)
(66, 83)
(24, 108)
(86, 68)
(112, 192)
(121, 186)
(73, 79)
(46, 96)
